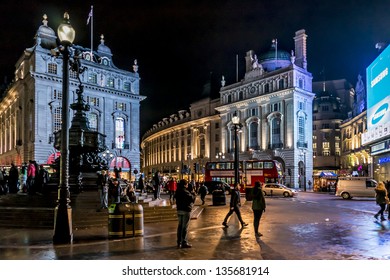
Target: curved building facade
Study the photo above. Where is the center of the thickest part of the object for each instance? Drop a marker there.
(274, 104)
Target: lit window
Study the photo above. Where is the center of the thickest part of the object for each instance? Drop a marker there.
(119, 133)
(92, 78)
(94, 101)
(110, 82)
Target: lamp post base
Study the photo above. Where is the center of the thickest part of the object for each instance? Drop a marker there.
(63, 233)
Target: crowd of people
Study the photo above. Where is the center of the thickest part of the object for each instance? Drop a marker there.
(30, 178)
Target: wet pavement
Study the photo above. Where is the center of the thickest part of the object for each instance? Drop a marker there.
(209, 238)
(304, 234)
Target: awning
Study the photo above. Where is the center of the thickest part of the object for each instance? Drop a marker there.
(328, 174)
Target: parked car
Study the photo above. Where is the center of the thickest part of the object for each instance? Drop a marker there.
(213, 185)
(274, 189)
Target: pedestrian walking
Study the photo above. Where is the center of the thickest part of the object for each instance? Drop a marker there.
(31, 177)
(2, 183)
(141, 184)
(387, 185)
(41, 180)
(184, 204)
(117, 172)
(381, 200)
(23, 173)
(258, 207)
(157, 185)
(172, 187)
(235, 204)
(102, 184)
(13, 179)
(203, 192)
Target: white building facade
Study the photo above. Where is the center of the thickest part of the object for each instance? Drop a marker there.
(274, 103)
(30, 110)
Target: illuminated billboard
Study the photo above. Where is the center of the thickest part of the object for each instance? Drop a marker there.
(378, 97)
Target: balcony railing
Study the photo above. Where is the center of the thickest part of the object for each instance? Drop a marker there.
(275, 146)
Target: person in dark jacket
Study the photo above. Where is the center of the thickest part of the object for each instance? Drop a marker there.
(184, 203)
(203, 192)
(13, 179)
(258, 207)
(157, 185)
(380, 198)
(235, 204)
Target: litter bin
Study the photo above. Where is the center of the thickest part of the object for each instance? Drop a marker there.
(219, 197)
(125, 220)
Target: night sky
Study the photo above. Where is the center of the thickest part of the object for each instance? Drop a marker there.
(181, 44)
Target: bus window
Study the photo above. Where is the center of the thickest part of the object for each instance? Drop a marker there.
(268, 165)
(249, 165)
(258, 165)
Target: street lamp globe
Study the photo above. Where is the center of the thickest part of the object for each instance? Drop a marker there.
(236, 120)
(66, 32)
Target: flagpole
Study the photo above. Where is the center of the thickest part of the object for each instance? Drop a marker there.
(91, 33)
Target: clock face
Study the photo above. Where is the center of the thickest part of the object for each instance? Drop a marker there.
(252, 90)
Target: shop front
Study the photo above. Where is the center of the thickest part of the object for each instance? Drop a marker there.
(324, 181)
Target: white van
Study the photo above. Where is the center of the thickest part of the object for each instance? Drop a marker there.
(348, 187)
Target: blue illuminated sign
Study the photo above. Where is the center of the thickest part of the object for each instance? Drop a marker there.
(378, 91)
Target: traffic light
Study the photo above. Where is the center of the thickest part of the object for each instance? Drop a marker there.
(289, 171)
(196, 167)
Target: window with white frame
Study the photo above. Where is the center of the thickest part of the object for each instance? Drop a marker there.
(92, 78)
(119, 133)
(52, 68)
(93, 121)
(253, 132)
(301, 129)
(57, 119)
(126, 86)
(110, 82)
(276, 132)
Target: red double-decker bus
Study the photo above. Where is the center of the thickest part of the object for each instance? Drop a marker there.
(250, 171)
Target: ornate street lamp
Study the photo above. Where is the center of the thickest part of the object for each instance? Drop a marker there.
(220, 156)
(237, 126)
(63, 212)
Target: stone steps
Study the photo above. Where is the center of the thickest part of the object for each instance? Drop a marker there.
(20, 210)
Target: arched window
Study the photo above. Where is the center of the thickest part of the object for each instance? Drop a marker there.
(301, 129)
(119, 133)
(276, 133)
(253, 140)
